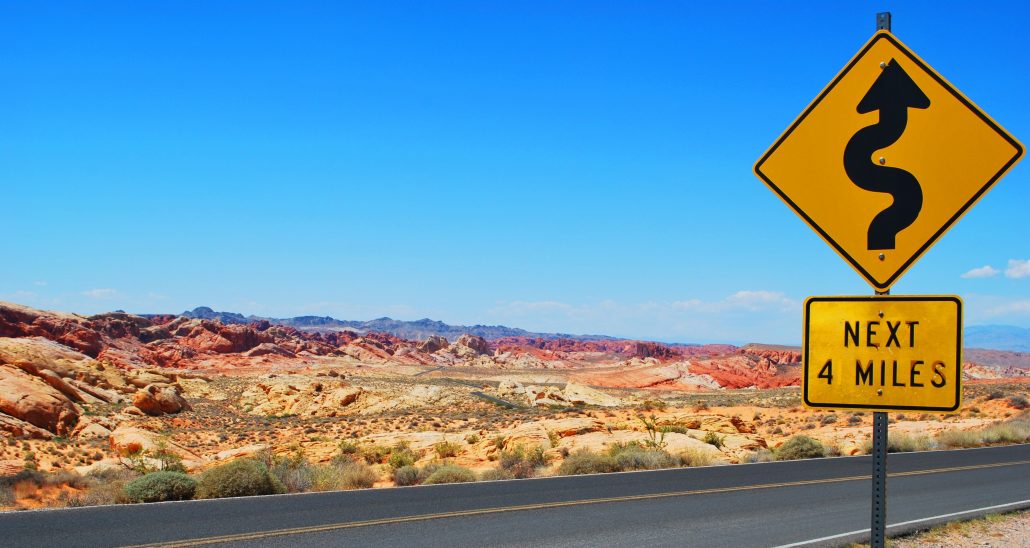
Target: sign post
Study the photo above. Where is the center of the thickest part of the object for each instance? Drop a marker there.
(881, 164)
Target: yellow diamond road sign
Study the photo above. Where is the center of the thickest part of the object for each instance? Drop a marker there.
(886, 159)
(883, 353)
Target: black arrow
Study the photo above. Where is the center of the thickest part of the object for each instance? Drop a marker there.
(893, 93)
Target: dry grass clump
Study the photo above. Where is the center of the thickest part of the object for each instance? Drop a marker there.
(446, 449)
(586, 461)
(1016, 430)
(696, 457)
(337, 476)
(900, 442)
(450, 473)
(521, 462)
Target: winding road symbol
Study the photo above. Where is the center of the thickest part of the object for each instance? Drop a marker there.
(893, 93)
(885, 159)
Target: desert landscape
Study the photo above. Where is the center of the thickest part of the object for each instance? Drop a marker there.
(89, 406)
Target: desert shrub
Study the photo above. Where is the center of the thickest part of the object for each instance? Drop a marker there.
(499, 441)
(1008, 432)
(239, 478)
(401, 455)
(760, 455)
(520, 462)
(161, 486)
(553, 437)
(645, 459)
(585, 461)
(1019, 402)
(293, 472)
(903, 443)
(651, 405)
(714, 439)
(348, 447)
(472, 439)
(7, 497)
(446, 449)
(959, 438)
(655, 438)
(495, 474)
(374, 454)
(343, 475)
(695, 457)
(995, 394)
(674, 428)
(900, 442)
(406, 475)
(618, 447)
(357, 475)
(800, 447)
(1016, 430)
(828, 419)
(450, 473)
(854, 419)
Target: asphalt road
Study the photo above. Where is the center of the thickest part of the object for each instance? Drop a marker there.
(743, 505)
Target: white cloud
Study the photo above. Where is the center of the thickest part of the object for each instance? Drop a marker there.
(101, 293)
(746, 315)
(986, 271)
(39, 283)
(1018, 269)
(759, 300)
(1010, 308)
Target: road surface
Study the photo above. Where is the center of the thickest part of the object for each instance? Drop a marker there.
(813, 502)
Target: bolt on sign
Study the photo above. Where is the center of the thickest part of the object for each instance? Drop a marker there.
(886, 159)
(898, 353)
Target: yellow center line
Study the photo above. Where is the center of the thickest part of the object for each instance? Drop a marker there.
(546, 505)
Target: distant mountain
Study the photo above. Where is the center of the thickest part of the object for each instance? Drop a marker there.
(415, 330)
(998, 337)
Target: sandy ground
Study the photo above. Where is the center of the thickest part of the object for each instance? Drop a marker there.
(1001, 531)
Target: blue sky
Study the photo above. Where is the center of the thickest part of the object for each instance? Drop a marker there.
(581, 167)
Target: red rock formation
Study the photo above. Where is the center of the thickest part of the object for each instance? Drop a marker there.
(32, 400)
(156, 400)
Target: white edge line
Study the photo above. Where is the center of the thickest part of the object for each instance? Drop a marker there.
(932, 518)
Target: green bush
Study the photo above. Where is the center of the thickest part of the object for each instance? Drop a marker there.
(585, 461)
(450, 473)
(401, 455)
(161, 486)
(374, 454)
(800, 447)
(715, 440)
(645, 459)
(446, 449)
(293, 472)
(239, 478)
(348, 447)
(406, 475)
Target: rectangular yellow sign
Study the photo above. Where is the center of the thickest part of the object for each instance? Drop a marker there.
(883, 353)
